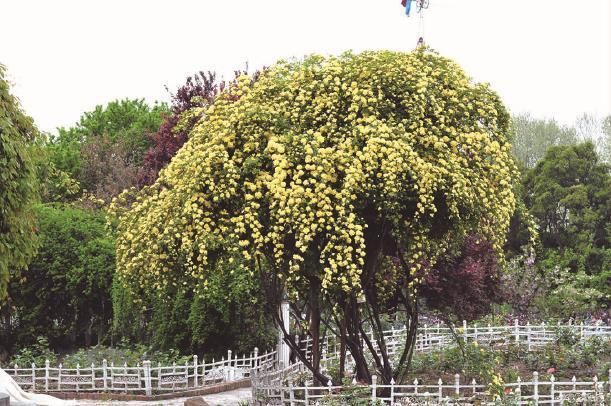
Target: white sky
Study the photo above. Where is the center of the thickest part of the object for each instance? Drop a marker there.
(548, 57)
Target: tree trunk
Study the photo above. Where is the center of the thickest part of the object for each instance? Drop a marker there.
(315, 327)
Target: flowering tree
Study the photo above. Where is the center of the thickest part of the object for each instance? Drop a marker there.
(336, 181)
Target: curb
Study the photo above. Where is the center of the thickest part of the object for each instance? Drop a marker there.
(207, 390)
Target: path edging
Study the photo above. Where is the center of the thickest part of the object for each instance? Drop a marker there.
(207, 390)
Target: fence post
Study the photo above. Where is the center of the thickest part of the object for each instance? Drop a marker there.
(158, 374)
(475, 332)
(105, 374)
(291, 393)
(78, 373)
(581, 331)
(195, 377)
(517, 330)
(255, 359)
(536, 387)
(33, 377)
(125, 373)
(46, 375)
(440, 383)
(282, 387)
(528, 334)
(329, 384)
(59, 377)
(306, 396)
(552, 388)
(415, 386)
(595, 380)
(474, 386)
(457, 384)
(519, 389)
(574, 381)
(93, 375)
(464, 329)
(374, 390)
(146, 365)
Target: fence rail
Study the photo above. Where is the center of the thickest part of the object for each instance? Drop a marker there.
(277, 387)
(142, 378)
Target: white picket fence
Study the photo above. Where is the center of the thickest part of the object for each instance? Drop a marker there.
(431, 337)
(142, 378)
(277, 387)
(535, 392)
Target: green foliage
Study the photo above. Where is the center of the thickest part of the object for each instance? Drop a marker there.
(351, 395)
(64, 293)
(131, 354)
(38, 353)
(470, 360)
(18, 186)
(228, 313)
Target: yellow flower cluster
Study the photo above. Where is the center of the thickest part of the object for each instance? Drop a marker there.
(283, 170)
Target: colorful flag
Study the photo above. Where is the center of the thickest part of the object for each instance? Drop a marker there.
(408, 6)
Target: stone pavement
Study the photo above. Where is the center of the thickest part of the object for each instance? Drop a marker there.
(230, 398)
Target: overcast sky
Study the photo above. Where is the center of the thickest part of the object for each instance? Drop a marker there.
(548, 57)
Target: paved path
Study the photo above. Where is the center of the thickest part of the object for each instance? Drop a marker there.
(230, 398)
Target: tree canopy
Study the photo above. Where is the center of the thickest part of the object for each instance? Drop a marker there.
(328, 175)
(18, 185)
(105, 149)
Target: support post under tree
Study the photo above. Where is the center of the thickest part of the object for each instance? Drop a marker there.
(283, 348)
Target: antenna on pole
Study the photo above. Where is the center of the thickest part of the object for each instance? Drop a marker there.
(420, 6)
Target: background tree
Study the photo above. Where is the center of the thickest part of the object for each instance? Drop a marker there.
(606, 150)
(318, 174)
(104, 150)
(569, 194)
(18, 185)
(533, 137)
(64, 292)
